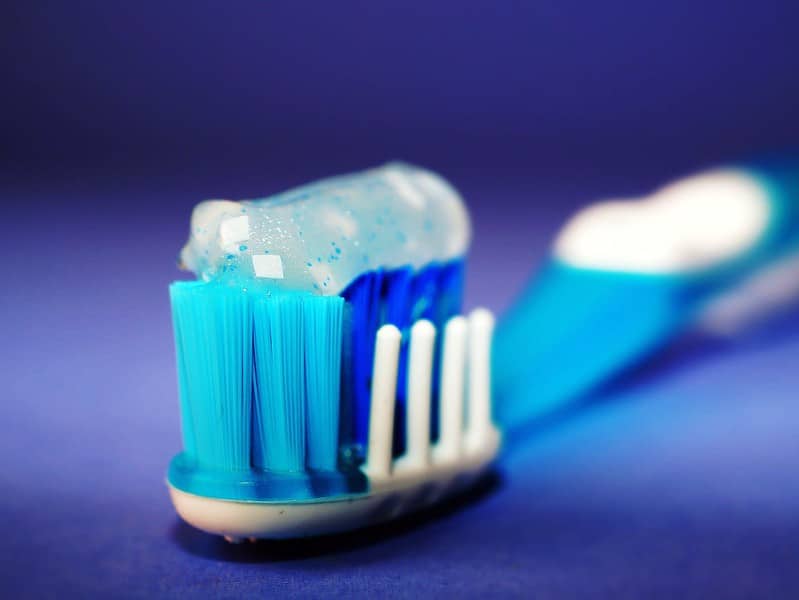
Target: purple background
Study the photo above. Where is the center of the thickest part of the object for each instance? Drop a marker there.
(679, 480)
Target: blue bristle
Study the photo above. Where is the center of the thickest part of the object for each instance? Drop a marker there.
(297, 341)
(399, 300)
(213, 327)
(397, 296)
(323, 330)
(400, 297)
(363, 320)
(448, 303)
(450, 286)
(259, 377)
(279, 342)
(179, 309)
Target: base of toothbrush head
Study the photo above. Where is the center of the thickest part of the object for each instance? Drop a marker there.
(384, 487)
(405, 491)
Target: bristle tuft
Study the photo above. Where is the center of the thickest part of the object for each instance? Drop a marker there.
(213, 327)
(323, 333)
(279, 427)
(259, 377)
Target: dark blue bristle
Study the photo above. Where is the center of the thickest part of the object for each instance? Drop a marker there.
(400, 297)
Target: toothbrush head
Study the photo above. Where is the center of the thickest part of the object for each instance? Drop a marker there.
(425, 474)
(312, 383)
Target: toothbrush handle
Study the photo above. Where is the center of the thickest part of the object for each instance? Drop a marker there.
(574, 328)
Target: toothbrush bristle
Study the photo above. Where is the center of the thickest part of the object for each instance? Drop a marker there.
(259, 377)
(464, 401)
(280, 385)
(420, 373)
(279, 394)
(400, 297)
(323, 333)
(453, 366)
(383, 400)
(213, 326)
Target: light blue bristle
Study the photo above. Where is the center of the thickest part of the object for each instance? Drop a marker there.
(279, 343)
(213, 326)
(323, 335)
(259, 378)
(297, 341)
(179, 310)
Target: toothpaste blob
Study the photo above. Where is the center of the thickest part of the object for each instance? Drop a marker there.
(321, 237)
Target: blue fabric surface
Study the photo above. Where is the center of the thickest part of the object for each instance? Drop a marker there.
(678, 480)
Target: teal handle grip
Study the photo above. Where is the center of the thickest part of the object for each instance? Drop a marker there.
(573, 328)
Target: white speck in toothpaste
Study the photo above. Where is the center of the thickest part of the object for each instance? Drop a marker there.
(267, 266)
(235, 230)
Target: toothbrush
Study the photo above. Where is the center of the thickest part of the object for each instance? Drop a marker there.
(713, 250)
(316, 365)
(624, 278)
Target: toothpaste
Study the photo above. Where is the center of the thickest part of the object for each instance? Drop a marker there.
(321, 237)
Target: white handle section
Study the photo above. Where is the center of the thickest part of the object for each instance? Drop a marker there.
(481, 328)
(384, 387)
(420, 372)
(453, 378)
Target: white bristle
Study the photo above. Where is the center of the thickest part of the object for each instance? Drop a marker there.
(452, 386)
(420, 371)
(481, 327)
(384, 387)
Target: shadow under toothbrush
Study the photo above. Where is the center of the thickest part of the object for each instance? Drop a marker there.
(689, 349)
(210, 546)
